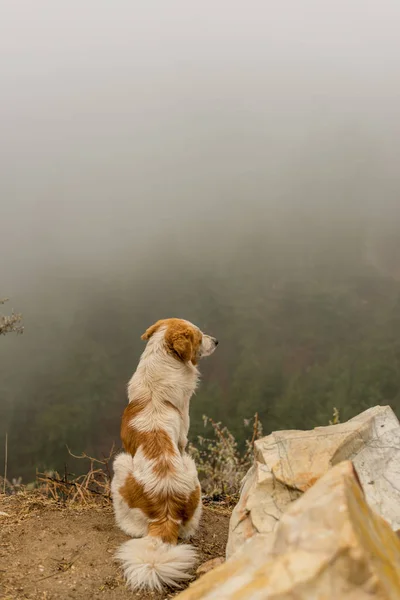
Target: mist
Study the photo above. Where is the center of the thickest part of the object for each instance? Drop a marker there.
(173, 158)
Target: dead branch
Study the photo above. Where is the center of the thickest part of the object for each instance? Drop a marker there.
(67, 484)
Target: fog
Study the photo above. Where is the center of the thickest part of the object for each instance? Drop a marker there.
(136, 135)
(121, 122)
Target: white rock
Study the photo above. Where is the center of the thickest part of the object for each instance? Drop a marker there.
(328, 545)
(287, 463)
(209, 565)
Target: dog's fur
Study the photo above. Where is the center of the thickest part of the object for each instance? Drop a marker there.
(155, 488)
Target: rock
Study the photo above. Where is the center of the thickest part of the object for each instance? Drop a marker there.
(209, 565)
(287, 463)
(329, 544)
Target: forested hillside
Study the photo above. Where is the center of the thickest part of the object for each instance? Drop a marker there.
(305, 324)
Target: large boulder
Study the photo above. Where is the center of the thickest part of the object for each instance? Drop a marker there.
(329, 544)
(287, 463)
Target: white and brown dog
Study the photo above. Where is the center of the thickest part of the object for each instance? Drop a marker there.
(155, 488)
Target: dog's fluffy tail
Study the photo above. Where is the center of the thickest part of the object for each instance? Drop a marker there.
(149, 563)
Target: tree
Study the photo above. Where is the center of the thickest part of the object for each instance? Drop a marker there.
(10, 323)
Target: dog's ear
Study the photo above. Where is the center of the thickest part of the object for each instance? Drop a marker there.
(151, 330)
(180, 340)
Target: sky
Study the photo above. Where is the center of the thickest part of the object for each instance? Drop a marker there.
(130, 125)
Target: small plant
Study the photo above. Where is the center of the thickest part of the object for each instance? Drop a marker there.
(336, 417)
(220, 464)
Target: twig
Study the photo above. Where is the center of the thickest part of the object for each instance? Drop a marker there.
(84, 455)
(5, 463)
(106, 462)
(64, 566)
(255, 430)
(219, 432)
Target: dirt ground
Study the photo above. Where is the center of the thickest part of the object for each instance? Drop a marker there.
(50, 552)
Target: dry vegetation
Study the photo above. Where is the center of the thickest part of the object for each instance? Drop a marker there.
(10, 323)
(220, 463)
(58, 535)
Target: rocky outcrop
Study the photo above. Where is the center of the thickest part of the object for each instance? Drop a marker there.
(287, 463)
(328, 544)
(209, 565)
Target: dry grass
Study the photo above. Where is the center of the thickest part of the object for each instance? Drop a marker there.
(92, 487)
(53, 491)
(23, 504)
(220, 464)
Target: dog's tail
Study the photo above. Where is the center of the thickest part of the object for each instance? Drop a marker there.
(156, 560)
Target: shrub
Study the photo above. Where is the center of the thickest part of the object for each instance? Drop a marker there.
(220, 464)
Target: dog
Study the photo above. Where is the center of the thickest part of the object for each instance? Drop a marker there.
(155, 488)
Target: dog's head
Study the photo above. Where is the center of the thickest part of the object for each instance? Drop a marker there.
(182, 339)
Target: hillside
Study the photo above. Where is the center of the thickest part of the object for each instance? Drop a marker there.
(52, 551)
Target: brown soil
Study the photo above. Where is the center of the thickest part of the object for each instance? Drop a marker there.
(50, 552)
